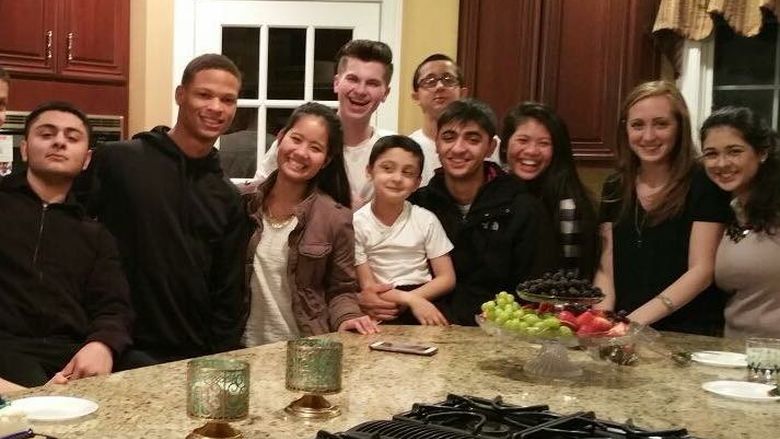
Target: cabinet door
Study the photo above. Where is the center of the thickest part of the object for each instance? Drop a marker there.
(93, 41)
(27, 36)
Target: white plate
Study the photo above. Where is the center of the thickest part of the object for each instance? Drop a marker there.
(54, 408)
(742, 390)
(720, 358)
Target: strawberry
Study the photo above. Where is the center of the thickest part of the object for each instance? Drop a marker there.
(569, 319)
(585, 318)
(601, 324)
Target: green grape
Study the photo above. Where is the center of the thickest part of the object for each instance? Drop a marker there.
(531, 319)
(565, 331)
(488, 305)
(490, 314)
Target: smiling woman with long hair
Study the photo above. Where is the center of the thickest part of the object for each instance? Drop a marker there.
(662, 219)
(739, 152)
(301, 256)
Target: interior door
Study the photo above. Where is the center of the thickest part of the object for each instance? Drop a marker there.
(286, 52)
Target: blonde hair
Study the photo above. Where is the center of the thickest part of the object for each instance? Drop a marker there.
(681, 157)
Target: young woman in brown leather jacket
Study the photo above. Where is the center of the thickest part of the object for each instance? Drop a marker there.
(301, 255)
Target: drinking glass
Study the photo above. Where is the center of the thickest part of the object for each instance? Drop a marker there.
(763, 359)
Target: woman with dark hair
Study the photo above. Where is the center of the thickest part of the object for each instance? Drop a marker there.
(740, 155)
(301, 256)
(536, 147)
(662, 219)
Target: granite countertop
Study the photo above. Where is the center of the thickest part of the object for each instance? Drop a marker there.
(150, 402)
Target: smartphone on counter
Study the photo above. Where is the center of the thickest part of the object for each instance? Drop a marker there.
(404, 348)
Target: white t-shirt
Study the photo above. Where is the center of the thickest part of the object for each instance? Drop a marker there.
(355, 162)
(399, 254)
(432, 161)
(271, 317)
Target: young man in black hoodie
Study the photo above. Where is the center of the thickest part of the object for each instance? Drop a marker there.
(179, 221)
(498, 230)
(64, 301)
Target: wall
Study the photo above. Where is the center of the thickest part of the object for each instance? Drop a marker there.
(429, 26)
(151, 64)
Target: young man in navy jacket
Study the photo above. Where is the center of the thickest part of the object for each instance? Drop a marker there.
(64, 301)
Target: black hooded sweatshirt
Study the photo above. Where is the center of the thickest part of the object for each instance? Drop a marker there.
(181, 232)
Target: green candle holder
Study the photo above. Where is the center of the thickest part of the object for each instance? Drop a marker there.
(217, 390)
(314, 367)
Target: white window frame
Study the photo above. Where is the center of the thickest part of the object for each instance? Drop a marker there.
(390, 29)
(696, 81)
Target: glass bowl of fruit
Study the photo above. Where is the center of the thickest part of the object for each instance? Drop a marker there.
(620, 344)
(533, 323)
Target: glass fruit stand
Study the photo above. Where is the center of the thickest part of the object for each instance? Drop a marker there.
(548, 320)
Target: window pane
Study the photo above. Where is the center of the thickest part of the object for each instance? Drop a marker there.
(286, 63)
(327, 43)
(242, 46)
(740, 60)
(275, 120)
(759, 101)
(238, 148)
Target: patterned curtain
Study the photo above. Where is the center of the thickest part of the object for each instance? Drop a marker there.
(692, 19)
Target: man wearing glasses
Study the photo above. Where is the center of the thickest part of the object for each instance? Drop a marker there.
(437, 82)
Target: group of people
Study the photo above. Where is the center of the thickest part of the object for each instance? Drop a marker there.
(161, 257)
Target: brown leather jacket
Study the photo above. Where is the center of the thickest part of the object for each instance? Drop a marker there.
(321, 263)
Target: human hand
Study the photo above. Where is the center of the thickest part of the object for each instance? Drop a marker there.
(372, 304)
(58, 378)
(426, 312)
(364, 325)
(94, 358)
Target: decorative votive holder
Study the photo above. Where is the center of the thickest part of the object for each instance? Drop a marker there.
(313, 367)
(218, 391)
(763, 359)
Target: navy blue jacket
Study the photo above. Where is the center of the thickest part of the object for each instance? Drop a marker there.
(182, 233)
(60, 273)
(503, 239)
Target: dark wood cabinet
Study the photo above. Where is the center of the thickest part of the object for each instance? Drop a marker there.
(579, 56)
(74, 39)
(95, 39)
(27, 33)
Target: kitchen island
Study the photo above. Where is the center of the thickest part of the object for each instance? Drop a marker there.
(657, 394)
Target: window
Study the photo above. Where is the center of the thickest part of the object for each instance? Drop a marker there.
(730, 69)
(747, 70)
(285, 50)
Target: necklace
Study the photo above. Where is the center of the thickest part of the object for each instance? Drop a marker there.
(737, 232)
(639, 226)
(278, 223)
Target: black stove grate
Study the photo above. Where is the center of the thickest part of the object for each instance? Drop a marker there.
(469, 417)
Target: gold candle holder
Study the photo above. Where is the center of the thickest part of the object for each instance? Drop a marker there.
(217, 390)
(313, 367)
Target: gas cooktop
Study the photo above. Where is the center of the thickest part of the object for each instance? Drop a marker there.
(470, 417)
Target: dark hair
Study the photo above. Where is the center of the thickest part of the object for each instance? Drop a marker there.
(4, 76)
(366, 51)
(560, 180)
(469, 110)
(332, 178)
(396, 141)
(431, 58)
(209, 61)
(65, 107)
(681, 157)
(763, 205)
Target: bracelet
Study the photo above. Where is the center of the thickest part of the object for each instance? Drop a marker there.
(666, 301)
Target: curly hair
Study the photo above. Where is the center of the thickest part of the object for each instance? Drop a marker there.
(762, 207)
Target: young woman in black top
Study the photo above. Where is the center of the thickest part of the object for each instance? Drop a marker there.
(662, 219)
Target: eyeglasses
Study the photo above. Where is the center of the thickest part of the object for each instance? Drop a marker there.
(446, 79)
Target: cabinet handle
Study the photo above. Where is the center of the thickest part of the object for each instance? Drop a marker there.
(49, 35)
(70, 46)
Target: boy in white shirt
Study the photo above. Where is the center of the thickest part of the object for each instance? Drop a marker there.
(395, 241)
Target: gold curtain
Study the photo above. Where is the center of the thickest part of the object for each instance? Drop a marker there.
(692, 19)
